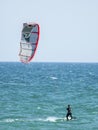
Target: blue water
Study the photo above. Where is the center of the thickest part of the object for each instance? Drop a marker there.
(35, 96)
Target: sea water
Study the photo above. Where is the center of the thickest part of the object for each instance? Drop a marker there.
(35, 96)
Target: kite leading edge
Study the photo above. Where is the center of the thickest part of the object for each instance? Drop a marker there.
(29, 41)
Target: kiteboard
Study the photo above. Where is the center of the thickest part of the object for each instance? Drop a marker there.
(69, 118)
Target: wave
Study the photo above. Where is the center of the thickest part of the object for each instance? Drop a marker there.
(51, 119)
(9, 120)
(54, 78)
(47, 119)
(55, 119)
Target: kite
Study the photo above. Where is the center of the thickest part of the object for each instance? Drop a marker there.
(29, 41)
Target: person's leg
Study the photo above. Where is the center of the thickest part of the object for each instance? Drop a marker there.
(67, 116)
(71, 115)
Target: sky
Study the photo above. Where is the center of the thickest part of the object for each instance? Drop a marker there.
(68, 29)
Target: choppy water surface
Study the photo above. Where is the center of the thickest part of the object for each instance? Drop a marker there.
(35, 96)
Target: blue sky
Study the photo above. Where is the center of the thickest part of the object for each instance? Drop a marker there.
(68, 29)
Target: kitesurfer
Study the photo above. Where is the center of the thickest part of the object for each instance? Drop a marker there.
(69, 113)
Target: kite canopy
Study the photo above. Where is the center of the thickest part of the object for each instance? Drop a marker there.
(29, 41)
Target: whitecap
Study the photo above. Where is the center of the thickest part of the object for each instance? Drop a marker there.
(54, 78)
(50, 119)
(38, 108)
(8, 120)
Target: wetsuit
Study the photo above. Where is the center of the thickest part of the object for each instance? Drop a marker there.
(69, 113)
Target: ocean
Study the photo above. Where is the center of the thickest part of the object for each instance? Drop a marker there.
(35, 96)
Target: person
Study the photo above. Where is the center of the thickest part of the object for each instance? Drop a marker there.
(69, 113)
